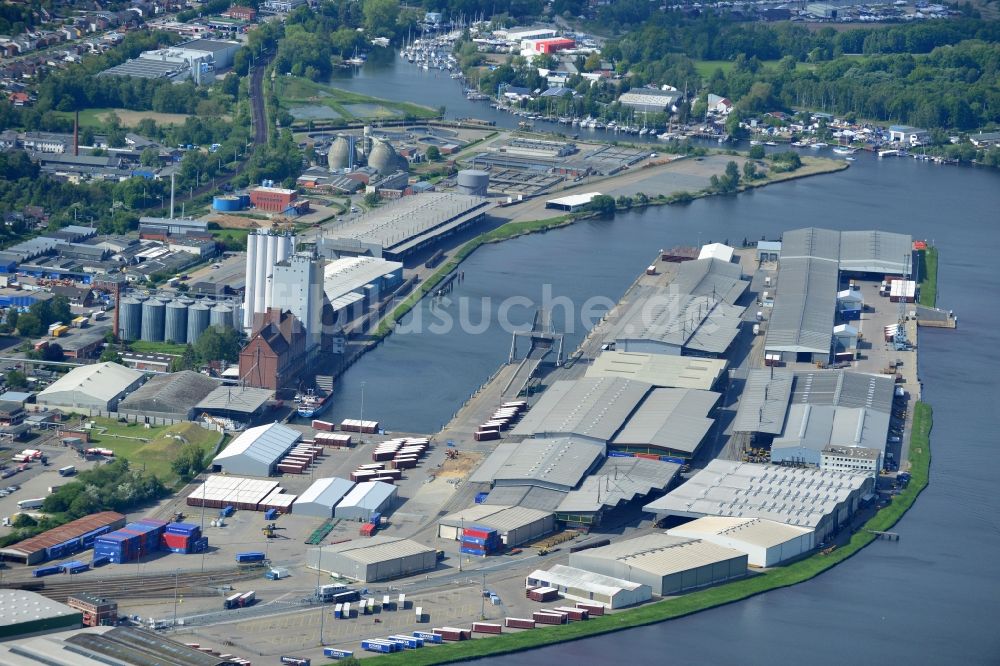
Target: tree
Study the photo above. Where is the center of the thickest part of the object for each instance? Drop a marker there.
(110, 355)
(433, 154)
(29, 325)
(371, 199)
(189, 462)
(603, 204)
(150, 157)
(16, 379)
(53, 352)
(217, 344)
(381, 16)
(749, 171)
(756, 152)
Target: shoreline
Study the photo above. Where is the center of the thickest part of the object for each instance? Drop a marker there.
(517, 228)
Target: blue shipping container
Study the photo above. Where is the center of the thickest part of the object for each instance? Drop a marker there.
(481, 497)
(270, 514)
(46, 571)
(336, 653)
(428, 636)
(250, 557)
(182, 528)
(473, 551)
(100, 560)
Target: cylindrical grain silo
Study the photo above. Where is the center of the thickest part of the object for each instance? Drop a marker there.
(153, 320)
(198, 319)
(284, 247)
(260, 273)
(222, 316)
(249, 282)
(272, 256)
(130, 319)
(473, 181)
(175, 328)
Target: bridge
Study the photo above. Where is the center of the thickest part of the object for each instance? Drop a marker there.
(542, 342)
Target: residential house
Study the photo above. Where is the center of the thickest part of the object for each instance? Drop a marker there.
(719, 105)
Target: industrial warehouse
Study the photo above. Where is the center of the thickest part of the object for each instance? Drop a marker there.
(92, 388)
(516, 525)
(581, 585)
(257, 450)
(375, 559)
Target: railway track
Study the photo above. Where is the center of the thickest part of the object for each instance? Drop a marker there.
(133, 587)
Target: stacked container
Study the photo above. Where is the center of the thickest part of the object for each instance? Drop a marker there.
(480, 541)
(181, 537)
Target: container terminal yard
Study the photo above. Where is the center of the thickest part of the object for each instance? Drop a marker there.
(738, 409)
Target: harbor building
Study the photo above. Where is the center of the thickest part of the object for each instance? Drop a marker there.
(515, 525)
(375, 559)
(581, 585)
(99, 387)
(766, 543)
(24, 613)
(687, 372)
(257, 450)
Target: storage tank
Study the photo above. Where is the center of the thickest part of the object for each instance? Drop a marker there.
(250, 281)
(260, 272)
(130, 318)
(153, 320)
(383, 157)
(222, 316)
(341, 155)
(473, 181)
(227, 203)
(197, 321)
(175, 329)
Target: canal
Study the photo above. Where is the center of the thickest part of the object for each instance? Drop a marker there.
(929, 598)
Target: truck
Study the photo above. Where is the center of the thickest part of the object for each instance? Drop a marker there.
(68, 470)
(31, 503)
(276, 573)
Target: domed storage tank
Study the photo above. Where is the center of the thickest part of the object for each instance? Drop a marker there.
(175, 329)
(197, 321)
(153, 320)
(343, 153)
(473, 181)
(222, 316)
(383, 157)
(130, 319)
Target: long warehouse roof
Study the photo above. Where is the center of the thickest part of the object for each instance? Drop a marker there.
(804, 307)
(844, 388)
(671, 418)
(378, 548)
(618, 480)
(64, 533)
(661, 554)
(868, 251)
(801, 496)
(502, 518)
(565, 576)
(692, 372)
(558, 462)
(264, 443)
(344, 275)
(326, 491)
(102, 381)
(591, 407)
(710, 277)
(751, 531)
(367, 495)
(819, 426)
(764, 401)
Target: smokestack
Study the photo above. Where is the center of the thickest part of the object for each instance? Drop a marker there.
(76, 135)
(117, 291)
(171, 196)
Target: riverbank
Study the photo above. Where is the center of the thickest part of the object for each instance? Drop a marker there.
(928, 286)
(695, 602)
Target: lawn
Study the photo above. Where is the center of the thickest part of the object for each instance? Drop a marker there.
(152, 448)
(707, 67)
(697, 601)
(928, 286)
(296, 91)
(145, 347)
(96, 118)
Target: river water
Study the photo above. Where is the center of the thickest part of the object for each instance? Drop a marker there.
(930, 598)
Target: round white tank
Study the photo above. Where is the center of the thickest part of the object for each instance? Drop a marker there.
(473, 181)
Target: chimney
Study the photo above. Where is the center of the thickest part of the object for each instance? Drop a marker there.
(117, 291)
(171, 196)
(76, 135)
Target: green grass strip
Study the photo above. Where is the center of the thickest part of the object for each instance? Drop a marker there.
(928, 286)
(798, 572)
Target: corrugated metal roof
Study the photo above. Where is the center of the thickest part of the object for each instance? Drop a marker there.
(752, 531)
(711, 277)
(844, 388)
(245, 400)
(558, 462)
(811, 242)
(368, 495)
(265, 444)
(347, 274)
(764, 401)
(102, 381)
(659, 369)
(589, 407)
(173, 392)
(501, 518)
(804, 307)
(565, 576)
(19, 606)
(487, 470)
(378, 548)
(135, 646)
(818, 426)
(64, 533)
(670, 418)
(661, 554)
(326, 492)
(876, 252)
(801, 496)
(529, 497)
(669, 317)
(618, 480)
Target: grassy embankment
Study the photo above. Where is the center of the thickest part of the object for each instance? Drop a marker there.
(153, 448)
(928, 286)
(145, 347)
(698, 601)
(295, 91)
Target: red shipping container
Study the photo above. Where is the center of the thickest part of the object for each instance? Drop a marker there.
(519, 623)
(593, 609)
(548, 618)
(486, 628)
(323, 425)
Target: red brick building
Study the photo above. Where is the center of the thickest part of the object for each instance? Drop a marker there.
(241, 12)
(276, 354)
(272, 199)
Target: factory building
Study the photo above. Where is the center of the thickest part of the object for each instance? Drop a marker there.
(297, 287)
(264, 250)
(821, 500)
(44, 546)
(516, 525)
(100, 646)
(320, 498)
(686, 372)
(275, 356)
(352, 284)
(669, 565)
(711, 276)
(272, 199)
(766, 543)
(375, 559)
(660, 320)
(557, 463)
(616, 482)
(649, 100)
(238, 404)
(581, 585)
(98, 387)
(257, 450)
(573, 202)
(670, 422)
(243, 494)
(398, 229)
(169, 396)
(365, 499)
(24, 613)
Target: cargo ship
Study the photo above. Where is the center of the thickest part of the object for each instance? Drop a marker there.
(311, 403)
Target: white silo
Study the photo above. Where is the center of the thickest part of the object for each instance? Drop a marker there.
(260, 274)
(250, 281)
(273, 241)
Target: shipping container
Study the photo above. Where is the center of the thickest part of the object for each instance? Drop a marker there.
(575, 614)
(486, 436)
(408, 642)
(248, 598)
(232, 601)
(47, 570)
(100, 561)
(346, 612)
(543, 594)
(295, 661)
(419, 614)
(549, 618)
(68, 470)
(338, 611)
(453, 633)
(325, 426)
(249, 556)
(519, 623)
(594, 609)
(428, 636)
(376, 645)
(486, 628)
(337, 653)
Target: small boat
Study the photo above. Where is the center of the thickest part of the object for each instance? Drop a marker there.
(818, 145)
(850, 159)
(844, 150)
(799, 144)
(754, 142)
(311, 403)
(770, 143)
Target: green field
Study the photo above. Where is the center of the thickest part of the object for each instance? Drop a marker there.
(96, 118)
(153, 448)
(698, 601)
(295, 91)
(144, 347)
(928, 286)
